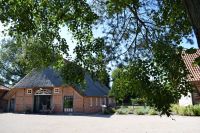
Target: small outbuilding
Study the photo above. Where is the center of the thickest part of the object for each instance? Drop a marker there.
(193, 78)
(44, 91)
(3, 102)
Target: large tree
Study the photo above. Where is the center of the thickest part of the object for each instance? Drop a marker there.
(133, 29)
(160, 81)
(12, 66)
(123, 89)
(192, 7)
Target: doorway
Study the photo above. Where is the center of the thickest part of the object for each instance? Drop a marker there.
(68, 104)
(42, 103)
(12, 105)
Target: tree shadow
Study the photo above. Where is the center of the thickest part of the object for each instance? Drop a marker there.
(101, 115)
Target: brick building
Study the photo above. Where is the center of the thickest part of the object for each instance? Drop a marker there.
(44, 91)
(3, 102)
(193, 77)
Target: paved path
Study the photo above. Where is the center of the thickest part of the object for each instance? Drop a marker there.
(22, 123)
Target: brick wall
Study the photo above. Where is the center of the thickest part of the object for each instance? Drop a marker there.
(93, 104)
(78, 102)
(3, 103)
(23, 101)
(196, 93)
(57, 101)
(78, 99)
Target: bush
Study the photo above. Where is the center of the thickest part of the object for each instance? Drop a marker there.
(191, 110)
(152, 112)
(125, 110)
(138, 101)
(175, 108)
(122, 110)
(140, 112)
(196, 110)
(109, 111)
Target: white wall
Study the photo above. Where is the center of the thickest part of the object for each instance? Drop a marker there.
(186, 100)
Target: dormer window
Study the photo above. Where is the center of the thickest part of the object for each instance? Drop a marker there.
(56, 90)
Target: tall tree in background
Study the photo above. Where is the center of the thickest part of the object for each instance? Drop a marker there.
(123, 87)
(12, 66)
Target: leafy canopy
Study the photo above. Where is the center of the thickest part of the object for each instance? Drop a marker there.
(160, 82)
(12, 66)
(140, 34)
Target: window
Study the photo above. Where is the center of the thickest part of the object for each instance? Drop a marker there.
(110, 101)
(96, 101)
(29, 91)
(101, 101)
(104, 101)
(91, 101)
(56, 90)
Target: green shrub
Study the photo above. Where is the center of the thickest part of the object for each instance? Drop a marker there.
(121, 111)
(191, 110)
(139, 101)
(125, 110)
(196, 110)
(152, 112)
(130, 110)
(175, 108)
(109, 111)
(140, 112)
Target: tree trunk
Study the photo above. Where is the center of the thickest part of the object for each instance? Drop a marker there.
(193, 9)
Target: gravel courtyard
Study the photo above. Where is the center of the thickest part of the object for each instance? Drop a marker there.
(24, 123)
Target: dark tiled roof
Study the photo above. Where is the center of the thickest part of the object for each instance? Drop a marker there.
(193, 69)
(40, 78)
(4, 88)
(50, 78)
(94, 88)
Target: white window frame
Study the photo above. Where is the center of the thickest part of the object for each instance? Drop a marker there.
(56, 90)
(27, 91)
(91, 102)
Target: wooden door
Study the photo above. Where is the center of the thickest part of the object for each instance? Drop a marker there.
(12, 105)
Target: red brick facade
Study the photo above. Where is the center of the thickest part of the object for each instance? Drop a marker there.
(24, 101)
(3, 102)
(194, 76)
(196, 92)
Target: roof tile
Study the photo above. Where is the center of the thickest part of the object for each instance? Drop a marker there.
(193, 69)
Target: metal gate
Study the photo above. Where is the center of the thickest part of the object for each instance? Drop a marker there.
(68, 104)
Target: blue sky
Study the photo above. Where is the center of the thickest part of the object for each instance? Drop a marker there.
(185, 44)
